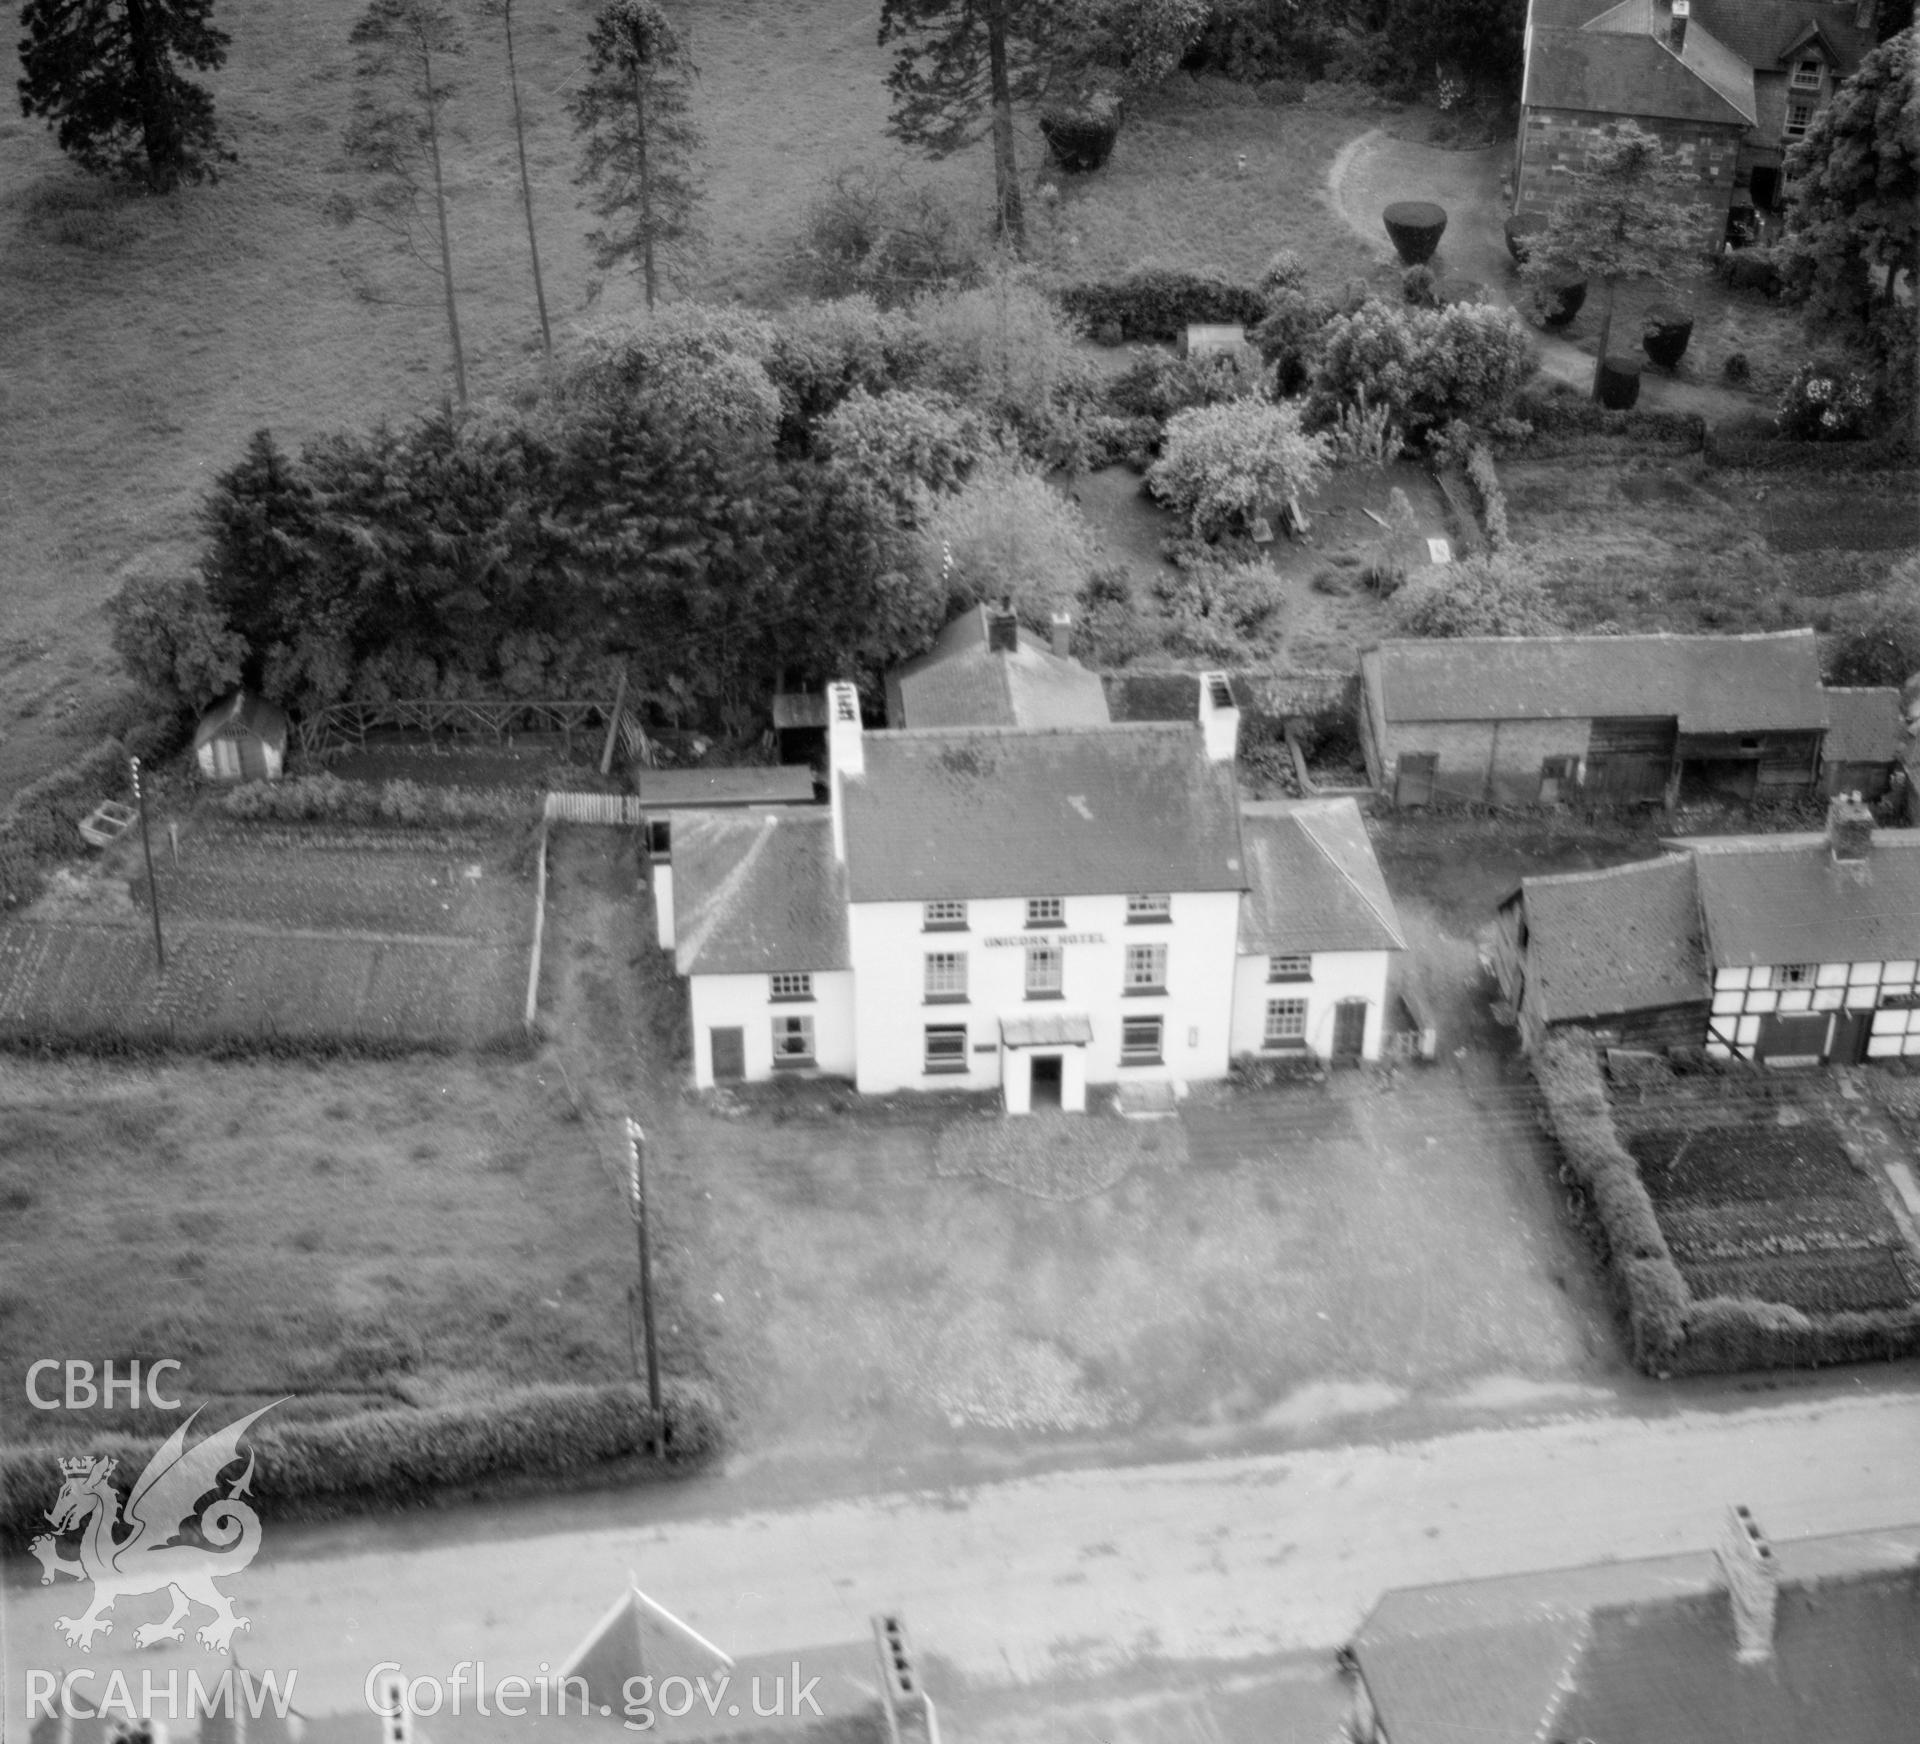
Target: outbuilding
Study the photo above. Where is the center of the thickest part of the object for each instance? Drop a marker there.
(242, 738)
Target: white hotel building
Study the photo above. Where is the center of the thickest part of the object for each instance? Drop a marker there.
(993, 904)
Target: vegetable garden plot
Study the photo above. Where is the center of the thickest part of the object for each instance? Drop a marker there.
(1788, 1226)
(1729, 1164)
(1814, 1283)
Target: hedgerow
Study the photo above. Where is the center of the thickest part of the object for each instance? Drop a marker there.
(1160, 303)
(327, 798)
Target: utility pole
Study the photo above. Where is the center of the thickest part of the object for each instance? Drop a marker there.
(153, 887)
(637, 1195)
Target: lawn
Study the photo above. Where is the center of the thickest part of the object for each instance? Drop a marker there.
(356, 938)
(419, 1231)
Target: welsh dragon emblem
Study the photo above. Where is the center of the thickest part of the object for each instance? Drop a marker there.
(163, 1503)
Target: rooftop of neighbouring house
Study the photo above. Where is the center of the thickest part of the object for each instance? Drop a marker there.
(1313, 883)
(1785, 899)
(1623, 939)
(241, 713)
(1864, 726)
(977, 676)
(1708, 684)
(1617, 72)
(975, 813)
(1646, 1651)
(757, 890)
(752, 784)
(1760, 34)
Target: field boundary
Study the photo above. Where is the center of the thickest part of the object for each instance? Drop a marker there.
(539, 931)
(593, 808)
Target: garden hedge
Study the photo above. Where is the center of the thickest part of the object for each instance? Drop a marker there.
(1777, 452)
(1673, 1332)
(1160, 303)
(550, 1436)
(327, 798)
(1561, 417)
(1416, 227)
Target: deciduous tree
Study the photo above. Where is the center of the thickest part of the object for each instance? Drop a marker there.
(106, 75)
(634, 116)
(503, 10)
(405, 47)
(1627, 219)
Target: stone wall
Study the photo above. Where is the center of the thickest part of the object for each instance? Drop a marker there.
(1554, 142)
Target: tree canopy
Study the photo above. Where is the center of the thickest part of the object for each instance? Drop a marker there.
(106, 75)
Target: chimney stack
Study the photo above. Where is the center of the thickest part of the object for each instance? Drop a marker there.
(1003, 629)
(1677, 30)
(1863, 15)
(1753, 1583)
(1062, 636)
(1849, 829)
(846, 754)
(1219, 717)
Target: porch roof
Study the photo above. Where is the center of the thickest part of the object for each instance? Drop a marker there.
(1046, 1029)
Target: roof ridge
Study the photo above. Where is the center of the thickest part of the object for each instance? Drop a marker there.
(1593, 874)
(1091, 729)
(1391, 928)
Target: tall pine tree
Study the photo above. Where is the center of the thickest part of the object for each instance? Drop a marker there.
(106, 75)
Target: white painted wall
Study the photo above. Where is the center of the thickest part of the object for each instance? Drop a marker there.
(743, 1002)
(1337, 975)
(662, 874)
(1741, 997)
(889, 947)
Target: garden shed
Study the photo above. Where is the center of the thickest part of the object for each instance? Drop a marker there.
(1865, 735)
(1540, 720)
(243, 738)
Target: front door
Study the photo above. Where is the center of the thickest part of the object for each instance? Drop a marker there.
(1848, 1046)
(729, 1055)
(226, 760)
(1349, 1029)
(1048, 1074)
(1792, 1038)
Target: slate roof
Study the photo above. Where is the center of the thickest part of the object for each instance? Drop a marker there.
(984, 812)
(1864, 726)
(1644, 1651)
(755, 891)
(782, 784)
(1782, 899)
(1624, 939)
(1605, 73)
(239, 714)
(1710, 684)
(1313, 883)
(1762, 31)
(961, 682)
(1701, 52)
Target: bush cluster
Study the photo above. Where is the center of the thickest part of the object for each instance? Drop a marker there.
(41, 824)
(1159, 384)
(1288, 332)
(1220, 610)
(1160, 303)
(1426, 366)
(1556, 416)
(1825, 402)
(551, 1434)
(1475, 597)
(876, 232)
(1485, 478)
(1220, 464)
(328, 799)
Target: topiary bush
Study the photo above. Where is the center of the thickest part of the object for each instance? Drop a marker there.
(1081, 138)
(1617, 385)
(1665, 331)
(1736, 371)
(1558, 300)
(1521, 229)
(1161, 302)
(1220, 464)
(1416, 227)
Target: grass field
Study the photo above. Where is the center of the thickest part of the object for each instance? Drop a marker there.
(422, 1230)
(273, 936)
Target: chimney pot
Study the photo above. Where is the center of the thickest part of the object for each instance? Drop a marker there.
(1003, 629)
(1063, 635)
(1849, 829)
(1677, 27)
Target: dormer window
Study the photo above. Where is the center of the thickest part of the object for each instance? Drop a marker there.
(1807, 74)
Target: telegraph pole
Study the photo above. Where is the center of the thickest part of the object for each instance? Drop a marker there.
(146, 844)
(637, 1196)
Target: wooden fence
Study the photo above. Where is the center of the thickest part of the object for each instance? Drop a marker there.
(593, 808)
(343, 726)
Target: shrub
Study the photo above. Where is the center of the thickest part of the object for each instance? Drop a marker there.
(1476, 597)
(1220, 611)
(1107, 627)
(173, 642)
(876, 232)
(1112, 441)
(1557, 301)
(1665, 333)
(1737, 371)
(1220, 464)
(703, 367)
(1161, 302)
(1876, 637)
(906, 447)
(1284, 271)
(1416, 227)
(1752, 269)
(823, 351)
(1419, 289)
(1082, 138)
(1159, 384)
(1287, 333)
(1008, 532)
(1485, 478)
(1425, 365)
(41, 823)
(1521, 229)
(1364, 435)
(1825, 402)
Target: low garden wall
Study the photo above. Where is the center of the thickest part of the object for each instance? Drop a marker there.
(537, 1438)
(1266, 698)
(1671, 1331)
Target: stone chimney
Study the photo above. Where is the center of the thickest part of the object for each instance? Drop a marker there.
(846, 754)
(1063, 635)
(1863, 14)
(1753, 1584)
(1849, 829)
(1003, 629)
(1677, 27)
(1219, 717)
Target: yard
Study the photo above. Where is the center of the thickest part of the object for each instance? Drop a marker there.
(358, 939)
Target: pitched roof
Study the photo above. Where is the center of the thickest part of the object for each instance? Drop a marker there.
(1864, 726)
(1624, 939)
(1646, 1650)
(755, 891)
(1607, 73)
(1762, 31)
(769, 784)
(971, 813)
(1783, 899)
(242, 712)
(1313, 883)
(1700, 52)
(1710, 684)
(961, 682)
